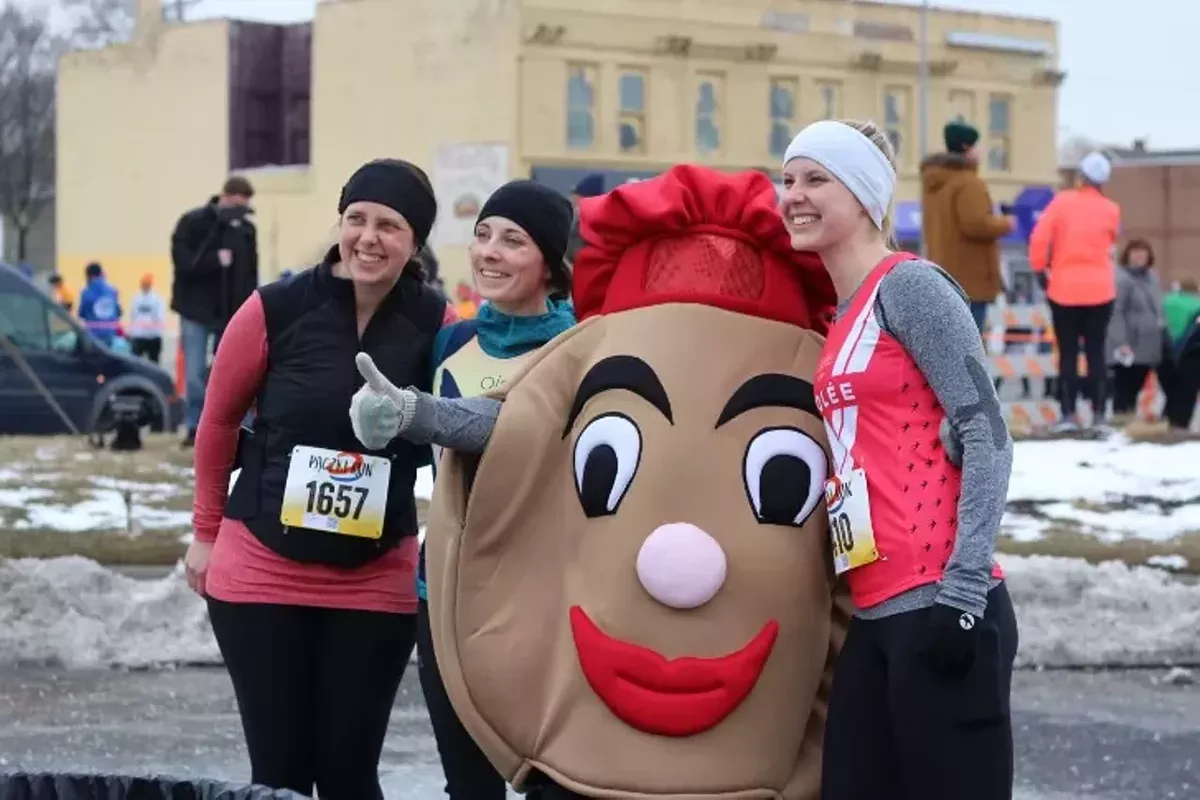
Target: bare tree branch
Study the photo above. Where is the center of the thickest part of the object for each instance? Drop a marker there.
(177, 10)
(29, 53)
(99, 23)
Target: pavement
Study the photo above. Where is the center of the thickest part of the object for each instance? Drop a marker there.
(1079, 735)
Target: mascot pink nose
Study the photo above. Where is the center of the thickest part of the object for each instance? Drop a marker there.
(681, 566)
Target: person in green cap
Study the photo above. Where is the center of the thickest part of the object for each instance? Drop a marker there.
(1181, 306)
(1178, 375)
(958, 224)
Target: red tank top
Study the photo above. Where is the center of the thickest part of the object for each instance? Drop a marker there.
(882, 417)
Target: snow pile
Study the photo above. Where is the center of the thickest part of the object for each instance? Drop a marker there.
(1073, 613)
(74, 612)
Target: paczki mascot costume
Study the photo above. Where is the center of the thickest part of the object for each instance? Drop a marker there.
(631, 591)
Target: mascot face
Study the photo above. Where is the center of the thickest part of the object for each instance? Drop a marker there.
(633, 582)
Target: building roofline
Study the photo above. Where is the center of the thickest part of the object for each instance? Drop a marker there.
(1123, 157)
(968, 12)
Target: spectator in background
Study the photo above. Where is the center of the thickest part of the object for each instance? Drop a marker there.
(1137, 330)
(1180, 307)
(590, 186)
(1179, 373)
(214, 250)
(957, 222)
(467, 304)
(99, 306)
(61, 293)
(1071, 251)
(147, 316)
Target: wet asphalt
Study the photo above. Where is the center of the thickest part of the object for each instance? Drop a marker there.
(1079, 735)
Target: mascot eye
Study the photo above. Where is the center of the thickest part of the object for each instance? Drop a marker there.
(606, 458)
(784, 470)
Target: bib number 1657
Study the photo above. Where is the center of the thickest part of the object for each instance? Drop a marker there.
(330, 500)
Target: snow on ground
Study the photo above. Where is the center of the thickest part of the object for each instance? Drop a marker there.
(1111, 489)
(73, 612)
(424, 486)
(102, 511)
(64, 485)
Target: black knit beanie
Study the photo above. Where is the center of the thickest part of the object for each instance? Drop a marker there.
(399, 185)
(543, 213)
(960, 137)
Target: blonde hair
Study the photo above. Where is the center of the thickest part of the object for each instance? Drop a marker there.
(872, 131)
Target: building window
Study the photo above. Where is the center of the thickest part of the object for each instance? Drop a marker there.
(831, 101)
(783, 114)
(631, 119)
(710, 91)
(962, 106)
(896, 102)
(581, 105)
(999, 153)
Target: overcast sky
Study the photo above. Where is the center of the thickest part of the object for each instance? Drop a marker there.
(1117, 55)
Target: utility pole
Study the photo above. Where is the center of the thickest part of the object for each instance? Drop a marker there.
(923, 95)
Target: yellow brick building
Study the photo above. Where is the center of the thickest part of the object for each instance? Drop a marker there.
(480, 91)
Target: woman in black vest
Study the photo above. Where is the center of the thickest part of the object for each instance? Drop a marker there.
(309, 567)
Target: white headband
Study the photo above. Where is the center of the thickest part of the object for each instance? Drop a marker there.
(853, 159)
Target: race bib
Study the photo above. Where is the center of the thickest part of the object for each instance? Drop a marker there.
(338, 492)
(850, 529)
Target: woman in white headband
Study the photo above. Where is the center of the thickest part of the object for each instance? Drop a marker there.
(921, 458)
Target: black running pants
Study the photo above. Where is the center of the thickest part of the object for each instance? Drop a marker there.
(315, 689)
(896, 729)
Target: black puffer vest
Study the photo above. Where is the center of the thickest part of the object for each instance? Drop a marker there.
(312, 338)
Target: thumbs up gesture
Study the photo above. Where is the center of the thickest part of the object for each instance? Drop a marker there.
(379, 411)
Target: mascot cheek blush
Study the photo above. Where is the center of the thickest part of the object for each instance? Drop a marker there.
(631, 591)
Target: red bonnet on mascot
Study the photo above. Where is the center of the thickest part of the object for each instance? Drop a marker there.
(631, 590)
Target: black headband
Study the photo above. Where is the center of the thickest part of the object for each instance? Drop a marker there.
(395, 184)
(544, 214)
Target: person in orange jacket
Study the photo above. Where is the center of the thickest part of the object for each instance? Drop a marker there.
(1071, 250)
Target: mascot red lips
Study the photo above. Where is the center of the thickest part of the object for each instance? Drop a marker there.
(586, 635)
(680, 697)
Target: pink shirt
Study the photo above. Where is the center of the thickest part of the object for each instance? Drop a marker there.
(882, 417)
(243, 569)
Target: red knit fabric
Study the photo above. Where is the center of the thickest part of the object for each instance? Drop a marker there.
(697, 235)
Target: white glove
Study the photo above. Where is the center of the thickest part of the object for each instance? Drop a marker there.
(379, 411)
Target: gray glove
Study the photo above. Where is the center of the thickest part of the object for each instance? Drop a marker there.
(379, 411)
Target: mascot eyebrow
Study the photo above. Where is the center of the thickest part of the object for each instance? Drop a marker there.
(620, 372)
(770, 389)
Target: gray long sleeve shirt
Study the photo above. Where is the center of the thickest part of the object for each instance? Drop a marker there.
(926, 311)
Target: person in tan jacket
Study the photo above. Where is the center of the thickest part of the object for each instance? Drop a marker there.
(957, 222)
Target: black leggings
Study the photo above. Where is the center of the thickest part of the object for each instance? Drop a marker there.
(1090, 323)
(898, 730)
(1181, 385)
(1127, 385)
(315, 689)
(469, 774)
